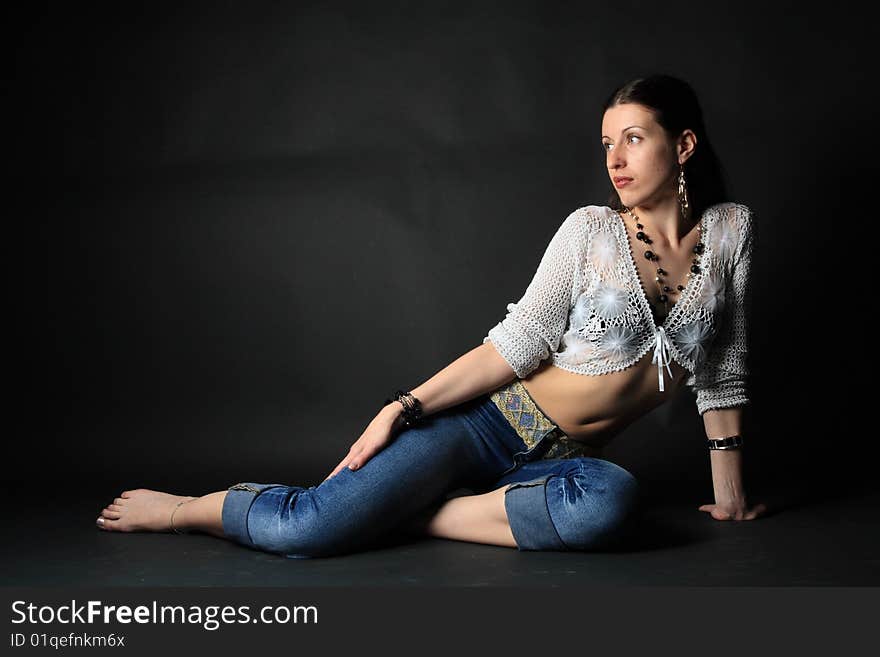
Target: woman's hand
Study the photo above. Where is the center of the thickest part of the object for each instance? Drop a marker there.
(734, 510)
(374, 438)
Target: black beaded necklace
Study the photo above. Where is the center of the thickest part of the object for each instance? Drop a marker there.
(650, 255)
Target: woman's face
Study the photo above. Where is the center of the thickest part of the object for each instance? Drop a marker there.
(637, 147)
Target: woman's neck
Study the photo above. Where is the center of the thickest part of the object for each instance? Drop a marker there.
(664, 222)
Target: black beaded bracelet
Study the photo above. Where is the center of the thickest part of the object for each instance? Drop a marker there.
(412, 407)
(731, 442)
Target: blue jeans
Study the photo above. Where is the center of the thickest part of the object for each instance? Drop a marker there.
(552, 504)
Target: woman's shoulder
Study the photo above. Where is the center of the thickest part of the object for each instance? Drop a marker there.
(733, 211)
(591, 216)
(731, 227)
(596, 212)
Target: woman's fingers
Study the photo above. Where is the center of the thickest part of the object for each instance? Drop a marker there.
(343, 463)
(716, 511)
(376, 436)
(334, 471)
(355, 458)
(365, 454)
(719, 513)
(759, 510)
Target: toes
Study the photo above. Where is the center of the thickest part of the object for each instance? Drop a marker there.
(110, 513)
(110, 524)
(118, 501)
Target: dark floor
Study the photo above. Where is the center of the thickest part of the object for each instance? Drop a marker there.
(806, 540)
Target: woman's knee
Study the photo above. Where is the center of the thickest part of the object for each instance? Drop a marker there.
(592, 508)
(300, 535)
(585, 508)
(286, 520)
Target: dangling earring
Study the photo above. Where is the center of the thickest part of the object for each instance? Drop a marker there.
(683, 195)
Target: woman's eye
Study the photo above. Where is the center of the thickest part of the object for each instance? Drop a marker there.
(606, 145)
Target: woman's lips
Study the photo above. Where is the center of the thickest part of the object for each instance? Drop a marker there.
(623, 182)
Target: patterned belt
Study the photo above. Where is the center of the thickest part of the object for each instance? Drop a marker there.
(530, 423)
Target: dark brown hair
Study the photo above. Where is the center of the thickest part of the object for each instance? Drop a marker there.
(676, 108)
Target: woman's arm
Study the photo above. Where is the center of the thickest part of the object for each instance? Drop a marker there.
(721, 381)
(727, 468)
(727, 477)
(721, 385)
(480, 370)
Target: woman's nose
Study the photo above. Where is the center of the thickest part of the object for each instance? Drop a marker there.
(614, 160)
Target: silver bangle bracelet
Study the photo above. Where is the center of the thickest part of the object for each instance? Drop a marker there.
(731, 442)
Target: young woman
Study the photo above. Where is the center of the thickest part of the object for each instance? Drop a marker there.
(630, 301)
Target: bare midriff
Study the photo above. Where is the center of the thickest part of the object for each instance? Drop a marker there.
(594, 409)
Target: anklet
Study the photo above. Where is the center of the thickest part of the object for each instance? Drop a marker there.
(173, 528)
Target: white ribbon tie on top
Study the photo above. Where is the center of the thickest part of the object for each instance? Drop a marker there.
(662, 355)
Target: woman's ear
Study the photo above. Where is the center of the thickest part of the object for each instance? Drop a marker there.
(687, 144)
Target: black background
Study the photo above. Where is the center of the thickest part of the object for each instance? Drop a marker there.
(237, 227)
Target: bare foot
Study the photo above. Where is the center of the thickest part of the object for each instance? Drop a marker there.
(141, 510)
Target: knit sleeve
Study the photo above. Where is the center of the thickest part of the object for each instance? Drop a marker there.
(721, 380)
(534, 325)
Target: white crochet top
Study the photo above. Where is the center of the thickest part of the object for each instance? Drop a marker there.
(586, 307)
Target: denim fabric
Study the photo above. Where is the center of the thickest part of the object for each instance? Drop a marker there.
(552, 504)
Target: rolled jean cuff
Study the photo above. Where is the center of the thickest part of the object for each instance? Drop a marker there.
(529, 517)
(236, 507)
